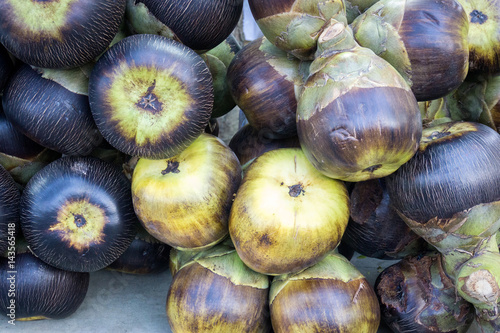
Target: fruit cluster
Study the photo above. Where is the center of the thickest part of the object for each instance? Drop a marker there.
(372, 126)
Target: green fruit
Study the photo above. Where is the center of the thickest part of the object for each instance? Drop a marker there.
(484, 35)
(295, 25)
(184, 201)
(286, 215)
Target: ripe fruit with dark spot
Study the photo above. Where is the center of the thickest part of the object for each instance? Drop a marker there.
(77, 214)
(150, 96)
(59, 33)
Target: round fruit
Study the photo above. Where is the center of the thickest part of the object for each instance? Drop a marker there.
(416, 295)
(41, 291)
(14, 143)
(249, 143)
(263, 81)
(145, 255)
(216, 292)
(150, 96)
(425, 40)
(357, 118)
(484, 35)
(201, 25)
(59, 33)
(77, 214)
(184, 201)
(329, 297)
(9, 210)
(455, 168)
(375, 229)
(19, 155)
(286, 215)
(51, 107)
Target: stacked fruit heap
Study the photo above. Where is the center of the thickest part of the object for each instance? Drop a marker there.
(371, 122)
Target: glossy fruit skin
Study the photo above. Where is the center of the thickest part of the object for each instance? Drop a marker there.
(249, 143)
(6, 67)
(261, 73)
(276, 222)
(41, 291)
(10, 197)
(331, 296)
(14, 143)
(19, 155)
(199, 24)
(356, 126)
(145, 255)
(150, 96)
(454, 169)
(425, 40)
(425, 46)
(416, 295)
(350, 146)
(184, 201)
(59, 34)
(77, 214)
(439, 56)
(49, 113)
(375, 229)
(218, 294)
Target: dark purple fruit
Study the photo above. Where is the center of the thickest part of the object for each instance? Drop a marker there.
(375, 229)
(151, 96)
(145, 255)
(249, 143)
(37, 291)
(77, 214)
(455, 168)
(416, 295)
(51, 107)
(9, 210)
(199, 24)
(59, 34)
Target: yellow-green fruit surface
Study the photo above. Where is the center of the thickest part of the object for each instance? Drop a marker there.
(184, 201)
(286, 215)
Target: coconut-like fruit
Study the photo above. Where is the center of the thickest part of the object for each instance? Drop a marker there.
(150, 96)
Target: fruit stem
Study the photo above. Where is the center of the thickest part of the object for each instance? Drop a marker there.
(296, 190)
(172, 167)
(336, 38)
